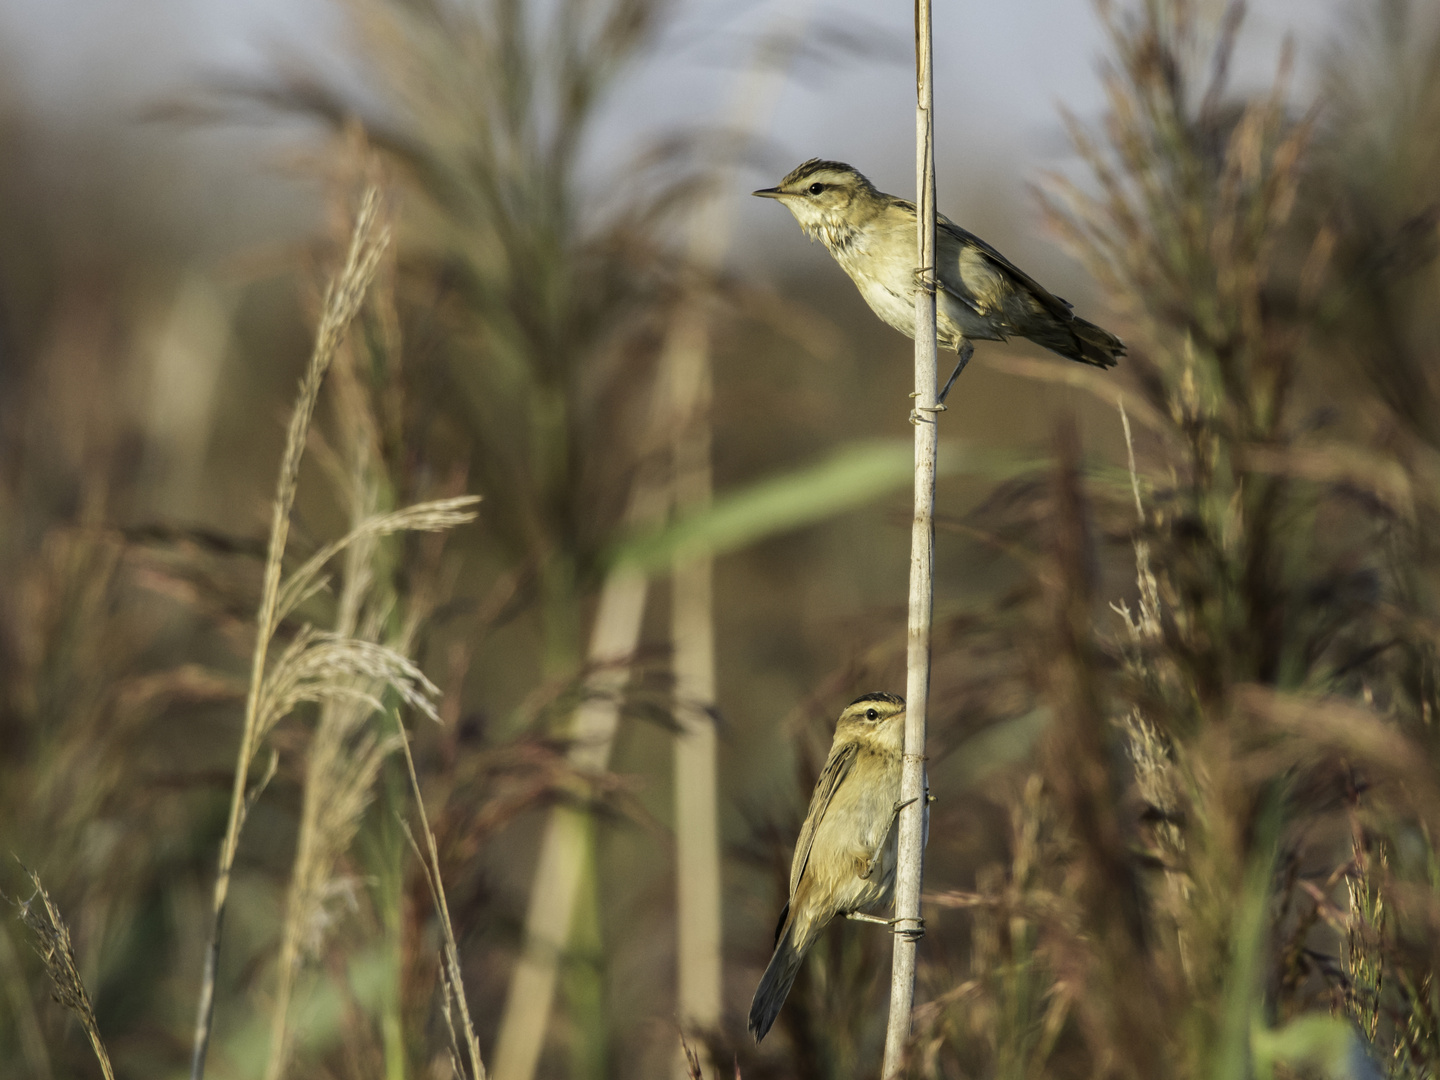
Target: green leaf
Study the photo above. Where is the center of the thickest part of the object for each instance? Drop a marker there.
(851, 476)
(1313, 1041)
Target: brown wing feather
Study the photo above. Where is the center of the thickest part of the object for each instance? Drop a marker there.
(1048, 300)
(837, 767)
(1068, 335)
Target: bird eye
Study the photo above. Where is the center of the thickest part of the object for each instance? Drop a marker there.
(872, 714)
(815, 189)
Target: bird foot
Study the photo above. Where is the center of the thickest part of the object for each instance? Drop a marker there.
(914, 933)
(916, 418)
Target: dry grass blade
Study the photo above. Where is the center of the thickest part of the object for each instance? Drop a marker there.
(324, 667)
(368, 241)
(52, 942)
(351, 671)
(454, 983)
(692, 1060)
(434, 516)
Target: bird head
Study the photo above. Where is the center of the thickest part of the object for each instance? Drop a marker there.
(879, 717)
(824, 196)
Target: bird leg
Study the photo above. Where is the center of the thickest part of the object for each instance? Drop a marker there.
(966, 351)
(874, 858)
(914, 933)
(860, 916)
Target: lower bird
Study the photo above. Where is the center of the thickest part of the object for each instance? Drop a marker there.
(980, 295)
(844, 861)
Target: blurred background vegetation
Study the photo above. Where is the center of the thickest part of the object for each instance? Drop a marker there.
(1184, 738)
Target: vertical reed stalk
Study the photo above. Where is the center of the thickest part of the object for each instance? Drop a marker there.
(613, 638)
(908, 925)
(692, 634)
(692, 620)
(567, 834)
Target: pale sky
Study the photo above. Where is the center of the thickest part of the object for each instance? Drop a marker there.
(92, 66)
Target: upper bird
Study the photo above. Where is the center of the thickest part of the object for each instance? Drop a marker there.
(981, 295)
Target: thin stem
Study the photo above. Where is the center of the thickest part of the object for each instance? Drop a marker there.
(910, 870)
(430, 862)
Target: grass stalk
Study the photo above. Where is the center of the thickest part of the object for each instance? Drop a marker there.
(52, 938)
(338, 720)
(368, 240)
(908, 926)
(345, 756)
(454, 983)
(553, 895)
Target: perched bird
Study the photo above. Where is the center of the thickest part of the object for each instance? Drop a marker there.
(844, 861)
(980, 294)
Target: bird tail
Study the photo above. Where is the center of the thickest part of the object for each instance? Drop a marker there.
(1076, 339)
(776, 982)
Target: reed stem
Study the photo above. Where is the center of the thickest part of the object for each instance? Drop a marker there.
(908, 926)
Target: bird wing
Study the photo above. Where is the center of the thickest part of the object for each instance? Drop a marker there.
(837, 767)
(1048, 300)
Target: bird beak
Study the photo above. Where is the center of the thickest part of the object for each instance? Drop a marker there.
(770, 193)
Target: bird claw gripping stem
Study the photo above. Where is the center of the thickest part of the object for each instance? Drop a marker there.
(916, 418)
(914, 933)
(925, 279)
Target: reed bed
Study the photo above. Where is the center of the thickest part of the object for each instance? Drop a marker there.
(1184, 690)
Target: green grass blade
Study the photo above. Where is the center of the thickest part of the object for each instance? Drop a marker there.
(851, 476)
(1241, 1005)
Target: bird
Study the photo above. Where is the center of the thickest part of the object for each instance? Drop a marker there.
(844, 862)
(980, 295)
